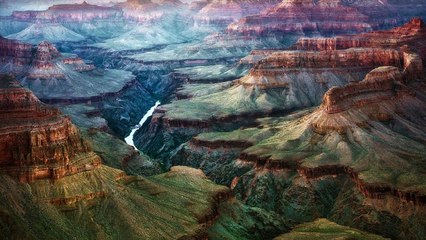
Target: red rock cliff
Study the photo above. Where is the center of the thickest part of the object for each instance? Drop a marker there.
(304, 16)
(70, 13)
(36, 140)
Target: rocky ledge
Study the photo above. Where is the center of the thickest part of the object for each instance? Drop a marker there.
(325, 17)
(281, 82)
(411, 34)
(222, 13)
(334, 139)
(69, 12)
(52, 170)
(38, 142)
(60, 78)
(304, 17)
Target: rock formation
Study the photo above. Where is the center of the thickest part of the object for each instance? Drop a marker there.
(69, 12)
(60, 78)
(304, 17)
(146, 11)
(21, 53)
(408, 36)
(224, 12)
(43, 66)
(323, 228)
(327, 17)
(58, 172)
(37, 140)
(370, 133)
(282, 81)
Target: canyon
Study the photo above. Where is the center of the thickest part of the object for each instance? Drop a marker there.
(59, 173)
(212, 119)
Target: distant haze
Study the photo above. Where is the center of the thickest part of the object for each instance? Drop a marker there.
(8, 6)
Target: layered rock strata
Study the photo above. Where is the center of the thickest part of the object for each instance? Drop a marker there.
(222, 13)
(304, 17)
(38, 142)
(69, 12)
(283, 81)
(60, 78)
(328, 17)
(48, 170)
(351, 115)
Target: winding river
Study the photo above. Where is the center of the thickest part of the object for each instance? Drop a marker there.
(129, 139)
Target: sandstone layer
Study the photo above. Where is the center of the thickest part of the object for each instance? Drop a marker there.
(365, 142)
(69, 12)
(281, 82)
(222, 13)
(37, 140)
(52, 180)
(60, 78)
(328, 17)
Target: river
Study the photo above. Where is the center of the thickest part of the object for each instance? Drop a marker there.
(129, 139)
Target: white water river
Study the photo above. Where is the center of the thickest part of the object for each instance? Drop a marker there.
(129, 139)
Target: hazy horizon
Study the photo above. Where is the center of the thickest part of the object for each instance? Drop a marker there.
(7, 6)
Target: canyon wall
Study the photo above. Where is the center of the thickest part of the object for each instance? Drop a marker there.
(37, 140)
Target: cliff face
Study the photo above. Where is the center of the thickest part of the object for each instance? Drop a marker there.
(37, 141)
(323, 17)
(410, 34)
(304, 17)
(70, 13)
(150, 10)
(283, 81)
(36, 61)
(43, 66)
(60, 78)
(222, 13)
(58, 172)
(381, 82)
(278, 68)
(407, 39)
(20, 52)
(371, 133)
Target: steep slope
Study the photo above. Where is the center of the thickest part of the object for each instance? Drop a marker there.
(69, 12)
(61, 189)
(37, 141)
(366, 141)
(324, 229)
(60, 78)
(148, 10)
(52, 32)
(222, 13)
(304, 17)
(325, 17)
(280, 82)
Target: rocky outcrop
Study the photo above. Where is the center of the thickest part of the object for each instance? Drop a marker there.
(36, 61)
(20, 52)
(328, 17)
(401, 47)
(43, 66)
(64, 78)
(147, 11)
(411, 34)
(37, 141)
(222, 13)
(304, 17)
(381, 84)
(69, 13)
(369, 190)
(349, 118)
